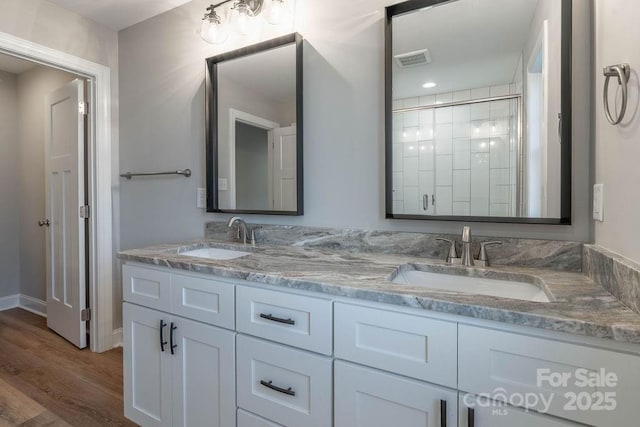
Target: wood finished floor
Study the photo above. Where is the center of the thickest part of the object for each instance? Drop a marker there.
(46, 381)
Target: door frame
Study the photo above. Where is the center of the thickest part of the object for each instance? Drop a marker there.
(99, 176)
(250, 119)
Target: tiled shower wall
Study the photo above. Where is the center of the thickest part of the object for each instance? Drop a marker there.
(457, 160)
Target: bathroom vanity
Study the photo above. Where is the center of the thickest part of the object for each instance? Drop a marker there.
(295, 336)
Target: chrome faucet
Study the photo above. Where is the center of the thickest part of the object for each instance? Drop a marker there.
(466, 258)
(243, 231)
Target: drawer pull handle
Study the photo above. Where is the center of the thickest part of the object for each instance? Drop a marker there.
(277, 319)
(286, 391)
(443, 413)
(162, 341)
(471, 417)
(171, 344)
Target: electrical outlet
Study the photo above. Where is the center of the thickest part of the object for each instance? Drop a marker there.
(222, 184)
(201, 198)
(598, 202)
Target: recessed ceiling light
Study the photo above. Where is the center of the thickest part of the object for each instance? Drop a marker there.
(429, 85)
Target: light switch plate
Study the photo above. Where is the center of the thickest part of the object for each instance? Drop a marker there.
(222, 184)
(201, 198)
(598, 202)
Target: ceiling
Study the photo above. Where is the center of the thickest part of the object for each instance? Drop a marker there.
(471, 43)
(119, 14)
(14, 65)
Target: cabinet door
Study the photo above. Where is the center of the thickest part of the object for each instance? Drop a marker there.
(481, 412)
(147, 369)
(203, 375)
(365, 397)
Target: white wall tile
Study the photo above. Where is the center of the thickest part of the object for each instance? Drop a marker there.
(499, 150)
(461, 208)
(444, 169)
(411, 171)
(461, 113)
(410, 102)
(397, 104)
(479, 93)
(426, 133)
(500, 109)
(499, 177)
(427, 100)
(410, 134)
(398, 207)
(444, 131)
(461, 154)
(412, 203)
(480, 145)
(444, 115)
(410, 119)
(501, 90)
(427, 156)
(444, 203)
(398, 186)
(462, 130)
(479, 184)
(397, 121)
(480, 111)
(426, 117)
(397, 157)
(461, 185)
(499, 209)
(500, 194)
(444, 98)
(462, 95)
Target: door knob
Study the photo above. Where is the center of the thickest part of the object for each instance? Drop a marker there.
(44, 223)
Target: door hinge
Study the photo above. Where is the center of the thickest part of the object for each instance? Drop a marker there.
(85, 211)
(85, 314)
(82, 108)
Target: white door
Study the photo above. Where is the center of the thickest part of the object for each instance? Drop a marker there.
(147, 366)
(203, 375)
(365, 397)
(477, 412)
(284, 169)
(65, 194)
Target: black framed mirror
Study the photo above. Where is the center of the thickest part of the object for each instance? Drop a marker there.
(478, 111)
(254, 129)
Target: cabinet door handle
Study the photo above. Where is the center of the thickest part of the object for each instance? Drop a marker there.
(162, 341)
(171, 344)
(443, 413)
(269, 384)
(277, 319)
(425, 202)
(471, 417)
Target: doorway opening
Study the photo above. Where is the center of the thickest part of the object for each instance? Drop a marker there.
(97, 210)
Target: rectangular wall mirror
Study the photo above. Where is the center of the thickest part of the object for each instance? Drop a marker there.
(254, 129)
(478, 110)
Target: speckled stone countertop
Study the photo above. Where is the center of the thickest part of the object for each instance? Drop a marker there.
(579, 305)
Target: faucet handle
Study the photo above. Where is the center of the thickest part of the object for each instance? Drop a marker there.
(483, 251)
(452, 248)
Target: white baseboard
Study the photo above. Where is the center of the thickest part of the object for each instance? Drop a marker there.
(34, 305)
(117, 338)
(9, 302)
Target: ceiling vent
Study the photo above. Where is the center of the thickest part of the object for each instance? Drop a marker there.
(413, 59)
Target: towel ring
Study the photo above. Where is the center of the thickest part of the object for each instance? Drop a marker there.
(622, 72)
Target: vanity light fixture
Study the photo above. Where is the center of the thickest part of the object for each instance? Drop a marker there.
(242, 16)
(429, 85)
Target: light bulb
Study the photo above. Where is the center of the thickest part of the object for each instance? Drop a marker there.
(212, 29)
(276, 15)
(243, 18)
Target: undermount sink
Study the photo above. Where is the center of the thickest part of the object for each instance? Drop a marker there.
(215, 253)
(472, 285)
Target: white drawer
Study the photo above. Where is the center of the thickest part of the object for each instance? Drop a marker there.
(147, 287)
(247, 419)
(295, 320)
(203, 299)
(491, 360)
(291, 387)
(414, 346)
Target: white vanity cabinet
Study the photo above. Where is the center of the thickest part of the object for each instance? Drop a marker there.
(178, 371)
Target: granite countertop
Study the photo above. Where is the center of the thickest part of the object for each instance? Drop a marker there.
(579, 305)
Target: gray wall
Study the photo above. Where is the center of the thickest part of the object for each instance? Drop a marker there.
(618, 147)
(9, 193)
(162, 125)
(33, 86)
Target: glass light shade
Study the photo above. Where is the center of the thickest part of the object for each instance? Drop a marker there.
(243, 19)
(277, 12)
(213, 31)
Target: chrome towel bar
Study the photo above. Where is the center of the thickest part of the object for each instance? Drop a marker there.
(622, 72)
(186, 173)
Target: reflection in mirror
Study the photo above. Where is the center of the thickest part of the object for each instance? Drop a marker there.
(254, 131)
(475, 105)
